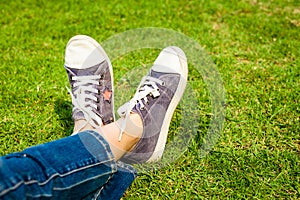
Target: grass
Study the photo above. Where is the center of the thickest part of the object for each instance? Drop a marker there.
(255, 45)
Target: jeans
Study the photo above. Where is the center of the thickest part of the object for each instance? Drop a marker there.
(81, 166)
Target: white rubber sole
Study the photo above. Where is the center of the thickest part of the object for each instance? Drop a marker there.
(163, 135)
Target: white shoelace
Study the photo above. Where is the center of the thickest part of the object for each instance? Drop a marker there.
(147, 87)
(83, 101)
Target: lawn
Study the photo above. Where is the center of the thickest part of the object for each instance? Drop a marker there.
(255, 46)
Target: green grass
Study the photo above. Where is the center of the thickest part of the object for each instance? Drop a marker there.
(255, 45)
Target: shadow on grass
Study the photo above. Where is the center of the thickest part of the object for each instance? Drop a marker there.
(64, 111)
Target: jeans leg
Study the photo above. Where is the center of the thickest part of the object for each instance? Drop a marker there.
(117, 185)
(69, 168)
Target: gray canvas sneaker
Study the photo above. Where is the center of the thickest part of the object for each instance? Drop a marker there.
(155, 101)
(91, 78)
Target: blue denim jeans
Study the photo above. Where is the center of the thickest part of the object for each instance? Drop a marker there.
(76, 167)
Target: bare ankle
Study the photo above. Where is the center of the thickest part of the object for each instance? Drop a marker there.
(132, 126)
(82, 125)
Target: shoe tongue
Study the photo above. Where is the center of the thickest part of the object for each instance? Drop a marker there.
(86, 72)
(155, 74)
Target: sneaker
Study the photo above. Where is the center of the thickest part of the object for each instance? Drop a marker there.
(91, 78)
(155, 101)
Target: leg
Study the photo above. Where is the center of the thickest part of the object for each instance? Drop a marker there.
(111, 133)
(69, 168)
(91, 80)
